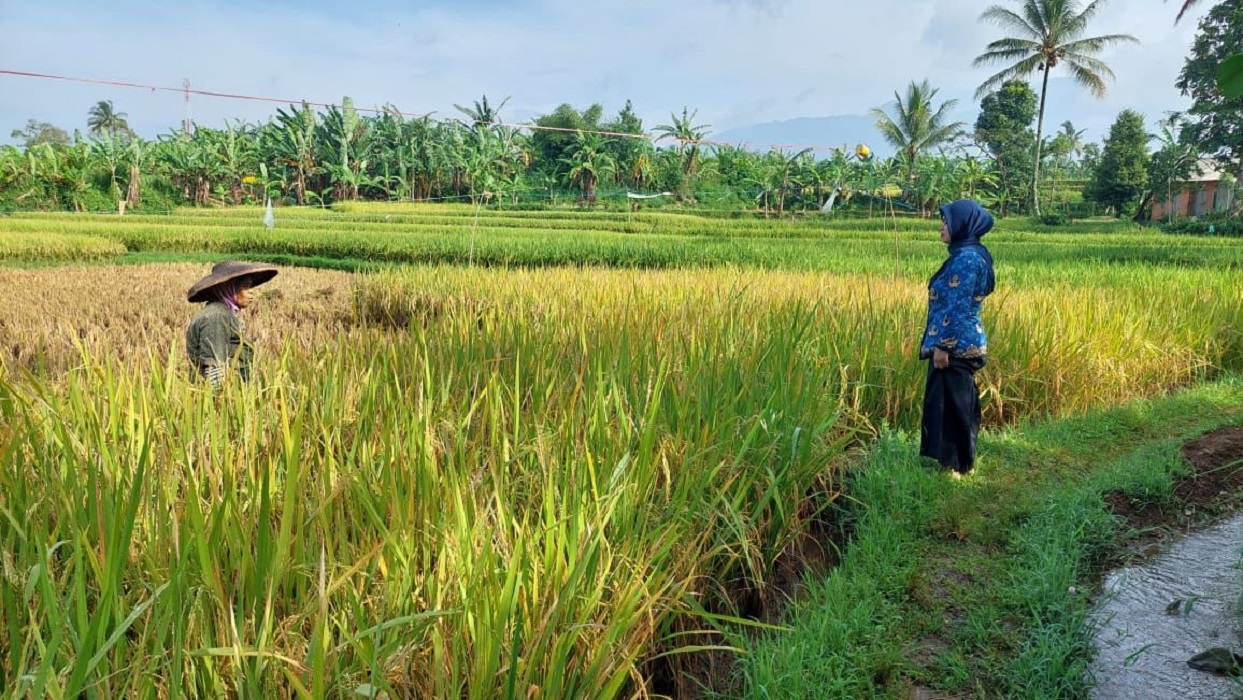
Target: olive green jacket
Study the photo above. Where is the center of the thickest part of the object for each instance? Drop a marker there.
(216, 342)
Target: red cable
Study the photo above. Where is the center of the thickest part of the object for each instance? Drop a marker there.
(533, 127)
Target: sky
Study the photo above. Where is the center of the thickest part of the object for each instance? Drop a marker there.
(735, 62)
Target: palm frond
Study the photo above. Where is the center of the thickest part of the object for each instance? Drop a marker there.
(1008, 19)
(888, 129)
(1087, 78)
(1044, 15)
(1186, 6)
(1085, 17)
(1097, 44)
(945, 133)
(1091, 63)
(1006, 56)
(1020, 70)
(940, 115)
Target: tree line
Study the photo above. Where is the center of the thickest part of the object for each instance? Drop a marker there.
(304, 156)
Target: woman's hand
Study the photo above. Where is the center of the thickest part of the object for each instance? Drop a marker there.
(940, 358)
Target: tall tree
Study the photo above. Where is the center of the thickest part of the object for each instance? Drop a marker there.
(688, 134)
(633, 155)
(552, 146)
(1216, 121)
(37, 132)
(1074, 138)
(916, 124)
(1004, 130)
(1044, 35)
(1123, 173)
(103, 118)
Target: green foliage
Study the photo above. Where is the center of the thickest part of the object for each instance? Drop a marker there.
(1216, 119)
(687, 133)
(978, 588)
(1043, 35)
(1170, 166)
(1230, 76)
(917, 125)
(1011, 109)
(103, 120)
(1123, 173)
(1214, 224)
(1004, 128)
(551, 147)
(37, 132)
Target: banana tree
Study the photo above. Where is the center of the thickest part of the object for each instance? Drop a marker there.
(188, 163)
(782, 168)
(292, 143)
(234, 150)
(137, 158)
(346, 140)
(62, 170)
(588, 163)
(108, 151)
(972, 175)
(11, 170)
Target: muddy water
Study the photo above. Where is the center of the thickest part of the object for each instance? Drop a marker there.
(1143, 642)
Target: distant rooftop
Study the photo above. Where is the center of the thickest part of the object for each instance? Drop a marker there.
(1206, 171)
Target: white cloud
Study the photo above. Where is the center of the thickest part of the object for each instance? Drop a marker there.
(736, 61)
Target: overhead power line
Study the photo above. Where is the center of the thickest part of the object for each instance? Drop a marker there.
(187, 91)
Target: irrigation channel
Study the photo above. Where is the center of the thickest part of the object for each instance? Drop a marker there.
(1170, 625)
(1156, 616)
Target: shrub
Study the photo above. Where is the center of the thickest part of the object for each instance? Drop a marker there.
(1214, 224)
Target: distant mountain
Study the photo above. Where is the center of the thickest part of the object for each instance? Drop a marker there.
(842, 130)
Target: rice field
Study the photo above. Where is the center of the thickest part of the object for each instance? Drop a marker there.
(378, 234)
(557, 457)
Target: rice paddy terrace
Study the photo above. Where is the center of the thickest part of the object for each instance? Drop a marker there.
(551, 454)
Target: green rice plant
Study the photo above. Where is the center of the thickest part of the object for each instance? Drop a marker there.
(557, 479)
(490, 506)
(1055, 349)
(1039, 257)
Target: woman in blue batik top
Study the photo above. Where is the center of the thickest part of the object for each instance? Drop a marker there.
(954, 341)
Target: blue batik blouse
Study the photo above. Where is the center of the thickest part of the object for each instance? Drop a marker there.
(955, 294)
(956, 291)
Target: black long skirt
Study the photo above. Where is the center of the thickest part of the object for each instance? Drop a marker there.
(951, 414)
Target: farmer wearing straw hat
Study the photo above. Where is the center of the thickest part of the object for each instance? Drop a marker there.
(954, 341)
(216, 339)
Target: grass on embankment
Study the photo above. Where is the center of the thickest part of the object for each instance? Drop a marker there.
(981, 588)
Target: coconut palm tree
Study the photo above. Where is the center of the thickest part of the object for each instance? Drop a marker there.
(688, 134)
(1187, 5)
(916, 124)
(103, 118)
(1074, 138)
(1047, 33)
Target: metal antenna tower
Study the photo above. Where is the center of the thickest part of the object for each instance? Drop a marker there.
(187, 122)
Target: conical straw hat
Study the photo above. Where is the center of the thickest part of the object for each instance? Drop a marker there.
(228, 271)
